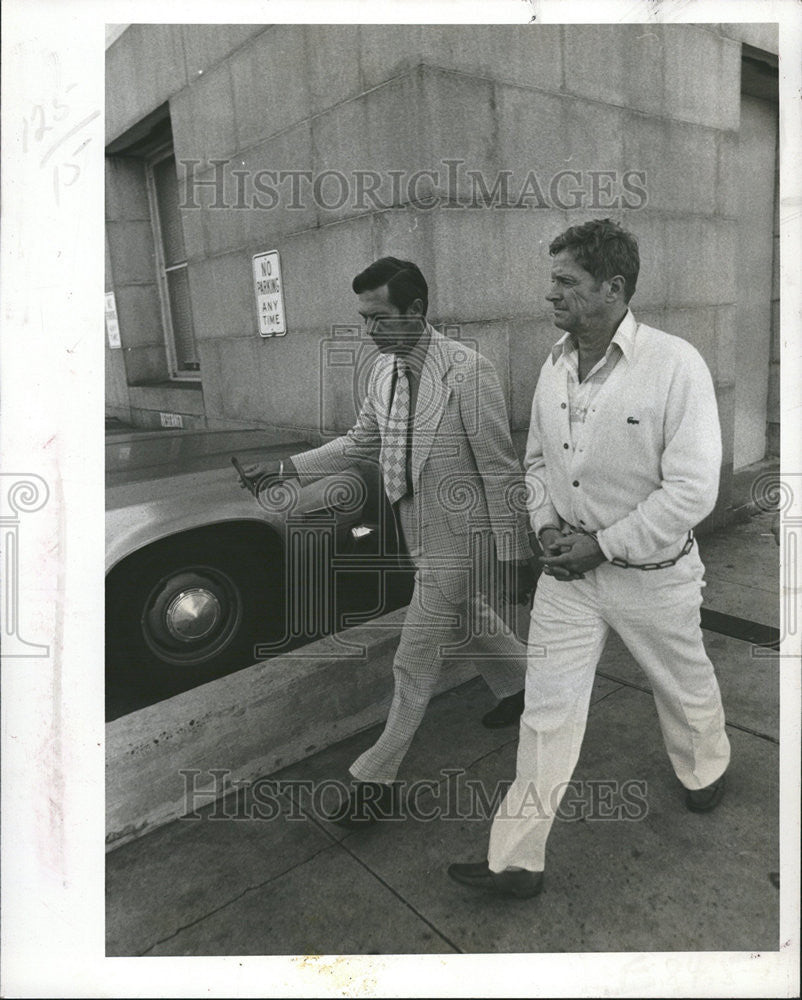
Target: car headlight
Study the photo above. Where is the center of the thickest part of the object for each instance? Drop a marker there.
(361, 531)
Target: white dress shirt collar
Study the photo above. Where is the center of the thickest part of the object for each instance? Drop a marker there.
(624, 337)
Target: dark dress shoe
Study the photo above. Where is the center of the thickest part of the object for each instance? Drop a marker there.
(477, 874)
(506, 713)
(702, 800)
(367, 803)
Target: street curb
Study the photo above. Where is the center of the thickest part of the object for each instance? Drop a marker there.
(250, 724)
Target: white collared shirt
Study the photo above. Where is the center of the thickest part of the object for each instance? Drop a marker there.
(581, 394)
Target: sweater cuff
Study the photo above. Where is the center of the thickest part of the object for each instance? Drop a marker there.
(603, 545)
(544, 515)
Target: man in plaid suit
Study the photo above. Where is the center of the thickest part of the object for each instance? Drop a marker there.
(434, 417)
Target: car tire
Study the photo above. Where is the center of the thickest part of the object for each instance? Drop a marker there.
(187, 611)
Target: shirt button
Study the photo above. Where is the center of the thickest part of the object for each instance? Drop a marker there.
(562, 406)
(575, 482)
(565, 446)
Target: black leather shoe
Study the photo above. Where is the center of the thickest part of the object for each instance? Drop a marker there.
(702, 800)
(506, 713)
(368, 803)
(476, 874)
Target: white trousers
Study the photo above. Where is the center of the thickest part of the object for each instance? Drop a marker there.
(656, 613)
(439, 629)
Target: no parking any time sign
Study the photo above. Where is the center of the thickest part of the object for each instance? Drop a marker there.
(269, 294)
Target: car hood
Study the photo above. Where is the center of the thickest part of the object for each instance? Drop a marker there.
(142, 457)
(162, 483)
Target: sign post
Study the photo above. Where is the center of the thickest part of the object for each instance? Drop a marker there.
(269, 294)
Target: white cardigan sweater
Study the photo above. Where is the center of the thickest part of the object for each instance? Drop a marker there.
(649, 466)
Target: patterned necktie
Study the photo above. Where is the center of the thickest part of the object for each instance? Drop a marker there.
(394, 445)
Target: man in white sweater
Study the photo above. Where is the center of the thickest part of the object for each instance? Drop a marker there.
(622, 462)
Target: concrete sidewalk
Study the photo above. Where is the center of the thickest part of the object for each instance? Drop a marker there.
(226, 884)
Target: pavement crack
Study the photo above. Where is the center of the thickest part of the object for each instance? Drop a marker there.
(605, 696)
(340, 842)
(646, 690)
(754, 732)
(484, 756)
(620, 681)
(401, 899)
(229, 902)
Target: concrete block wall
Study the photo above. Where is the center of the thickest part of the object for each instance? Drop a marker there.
(148, 65)
(132, 270)
(663, 99)
(773, 429)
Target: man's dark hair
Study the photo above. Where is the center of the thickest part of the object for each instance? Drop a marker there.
(404, 281)
(603, 249)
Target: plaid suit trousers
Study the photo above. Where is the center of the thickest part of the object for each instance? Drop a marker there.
(437, 629)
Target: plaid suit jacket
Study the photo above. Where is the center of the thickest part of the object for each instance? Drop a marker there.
(465, 473)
